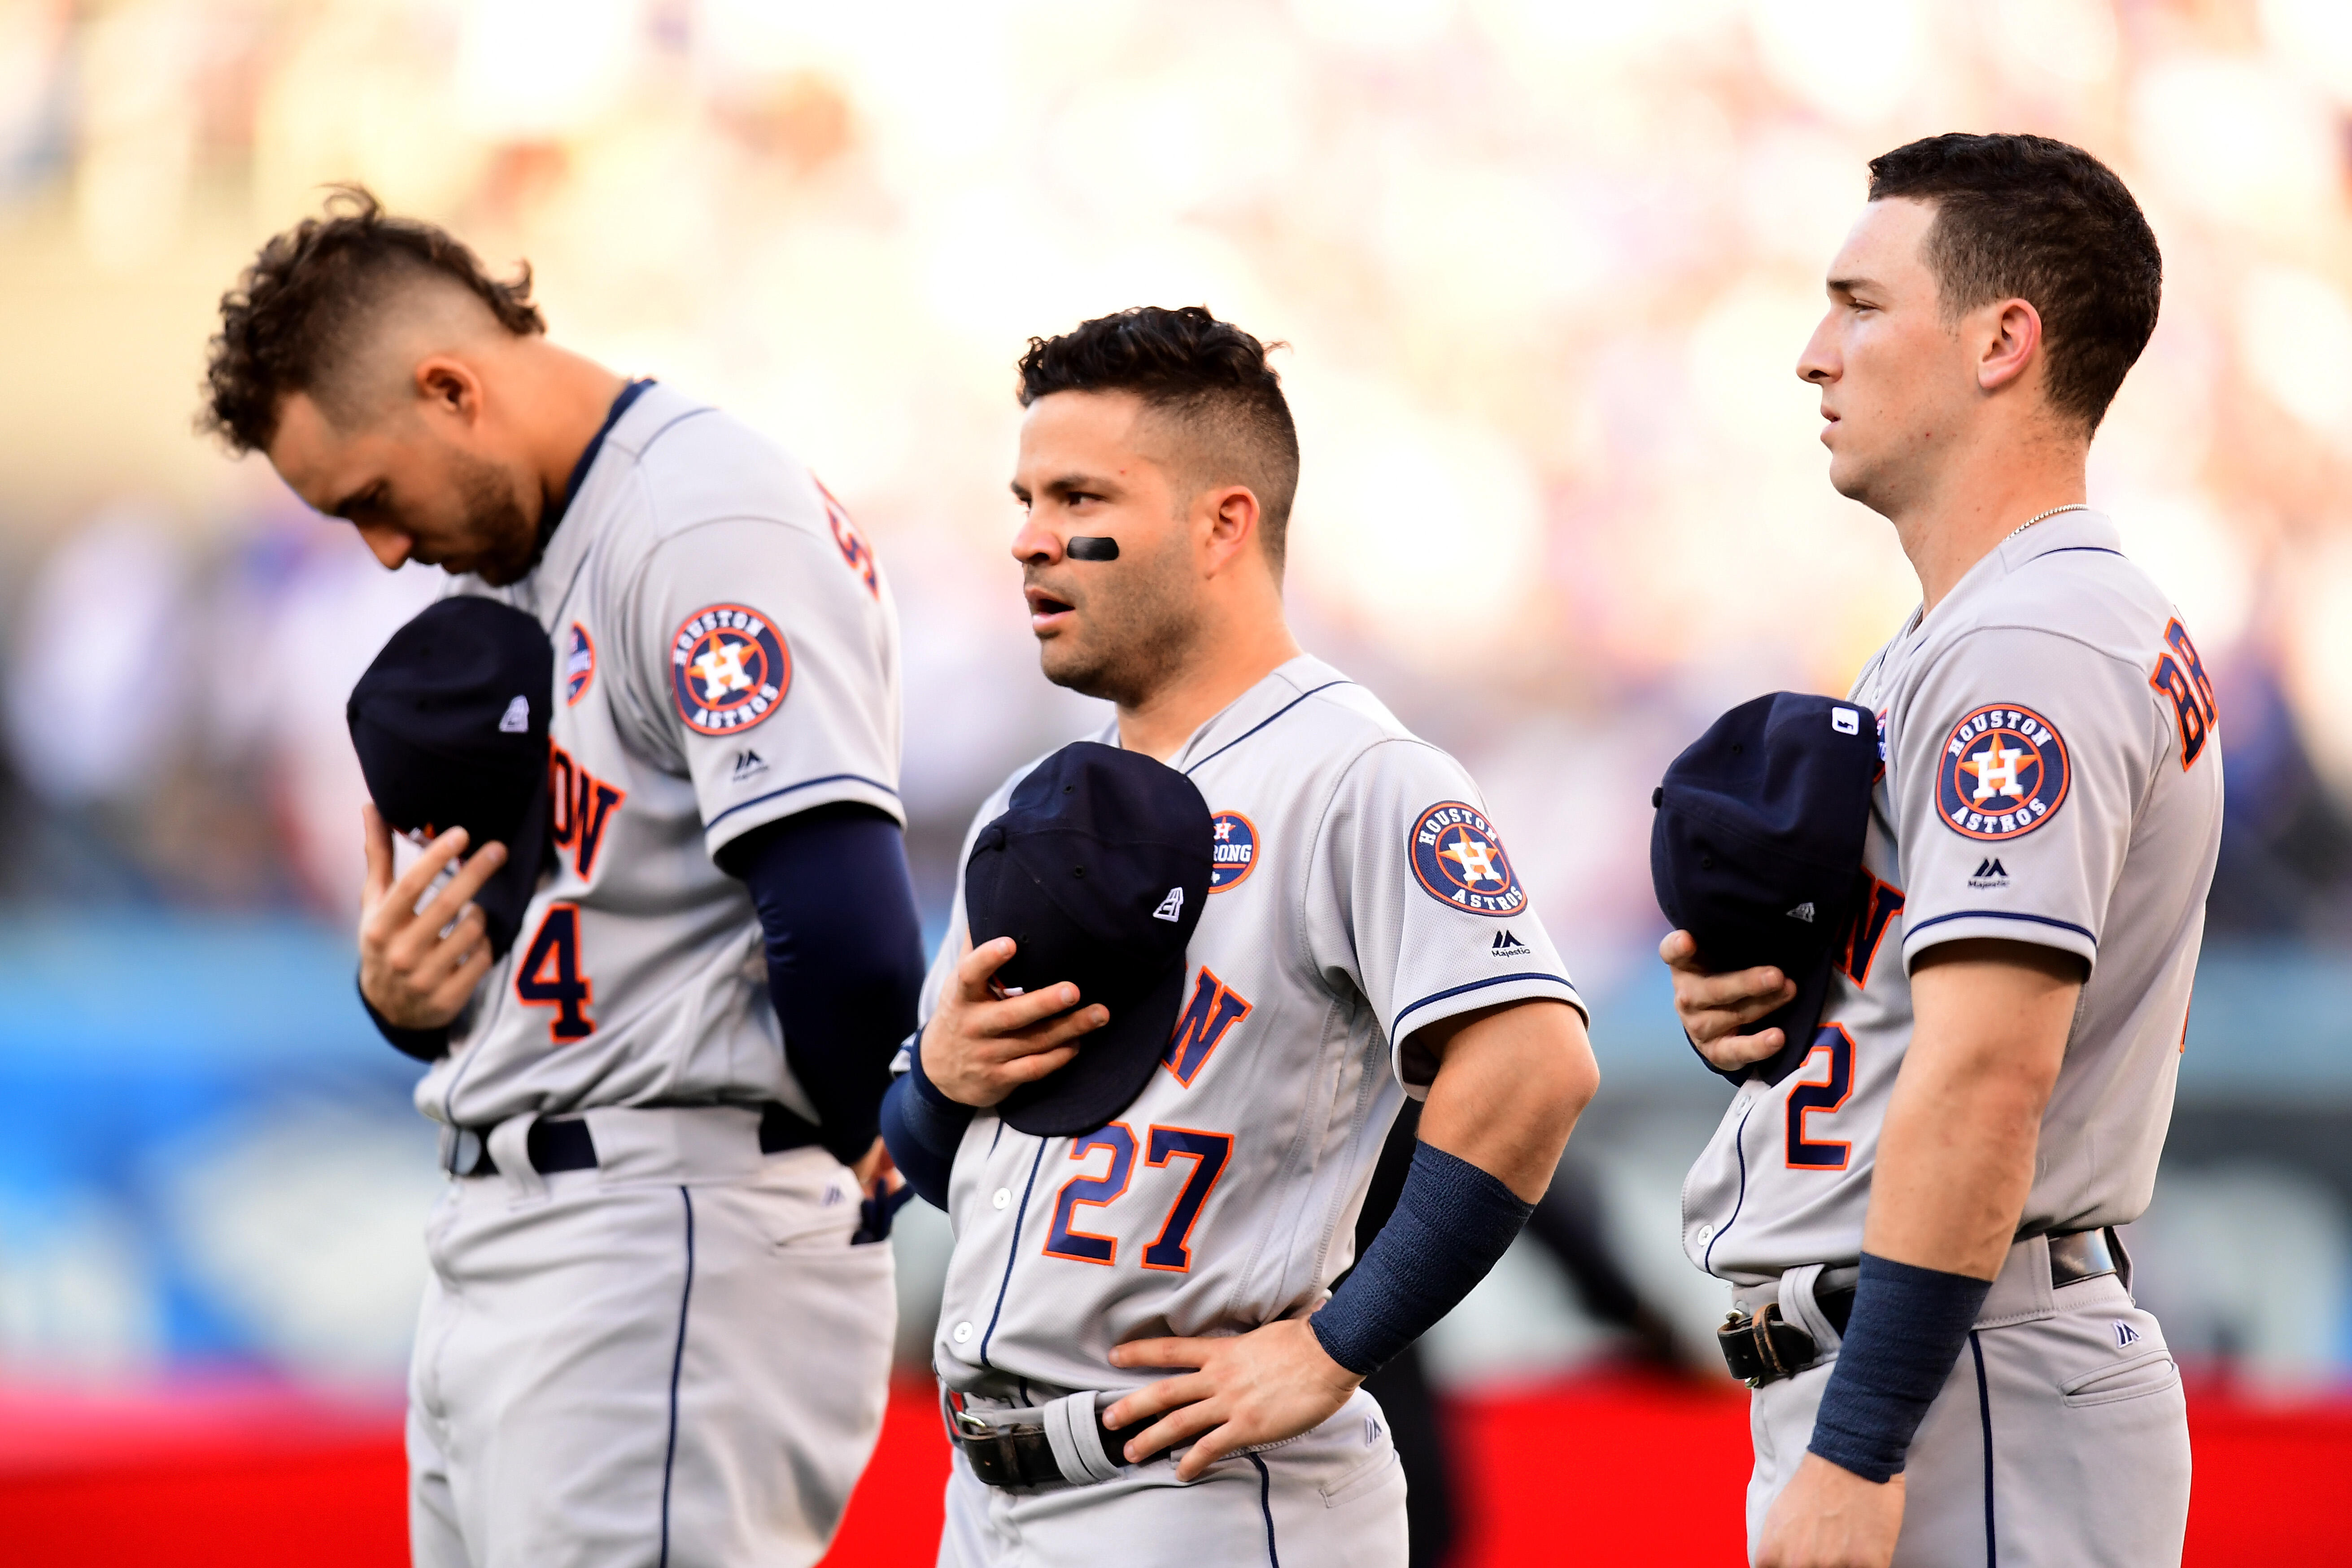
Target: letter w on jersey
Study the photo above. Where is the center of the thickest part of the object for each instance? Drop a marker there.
(1215, 1008)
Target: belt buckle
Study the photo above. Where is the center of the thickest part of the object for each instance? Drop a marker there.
(961, 1422)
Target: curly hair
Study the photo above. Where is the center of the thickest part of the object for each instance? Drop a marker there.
(1208, 378)
(2036, 219)
(297, 315)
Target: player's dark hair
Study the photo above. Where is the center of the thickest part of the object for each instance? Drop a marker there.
(2032, 219)
(1209, 376)
(290, 323)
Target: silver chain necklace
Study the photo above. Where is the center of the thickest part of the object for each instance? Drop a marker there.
(2053, 511)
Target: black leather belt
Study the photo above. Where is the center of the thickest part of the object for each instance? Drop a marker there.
(564, 1144)
(1019, 1451)
(1765, 1347)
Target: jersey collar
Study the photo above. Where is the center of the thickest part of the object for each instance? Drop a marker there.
(2067, 530)
(643, 409)
(1283, 688)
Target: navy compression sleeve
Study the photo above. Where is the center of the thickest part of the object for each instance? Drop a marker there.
(923, 1129)
(424, 1044)
(844, 955)
(1906, 1332)
(1453, 1220)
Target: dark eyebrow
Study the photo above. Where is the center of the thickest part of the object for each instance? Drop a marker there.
(1849, 286)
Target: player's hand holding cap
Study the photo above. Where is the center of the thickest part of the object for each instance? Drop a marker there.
(1757, 848)
(450, 725)
(1097, 871)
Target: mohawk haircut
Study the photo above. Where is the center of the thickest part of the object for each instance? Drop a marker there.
(298, 316)
(1207, 378)
(2032, 219)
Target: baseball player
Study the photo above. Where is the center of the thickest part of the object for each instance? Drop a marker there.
(651, 1333)
(1126, 1342)
(1920, 1220)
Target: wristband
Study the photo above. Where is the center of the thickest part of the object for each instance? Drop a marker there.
(1452, 1221)
(922, 1128)
(424, 1044)
(1906, 1332)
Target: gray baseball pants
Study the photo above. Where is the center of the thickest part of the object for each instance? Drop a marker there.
(675, 1359)
(2060, 1439)
(1330, 1498)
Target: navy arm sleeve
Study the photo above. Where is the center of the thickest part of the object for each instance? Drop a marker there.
(844, 955)
(923, 1129)
(424, 1044)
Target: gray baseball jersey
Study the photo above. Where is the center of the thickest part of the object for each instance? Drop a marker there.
(1360, 894)
(726, 654)
(2051, 775)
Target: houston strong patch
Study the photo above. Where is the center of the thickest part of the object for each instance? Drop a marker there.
(728, 670)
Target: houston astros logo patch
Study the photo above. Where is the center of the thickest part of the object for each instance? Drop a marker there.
(2002, 774)
(1232, 852)
(579, 664)
(728, 670)
(1459, 859)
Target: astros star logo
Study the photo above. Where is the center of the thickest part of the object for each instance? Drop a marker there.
(720, 668)
(2003, 773)
(1473, 855)
(1996, 769)
(1458, 860)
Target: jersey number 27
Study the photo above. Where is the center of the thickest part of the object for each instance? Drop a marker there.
(1170, 1250)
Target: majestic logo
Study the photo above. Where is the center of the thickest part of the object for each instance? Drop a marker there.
(1990, 873)
(2125, 1334)
(1459, 860)
(1232, 851)
(1506, 945)
(579, 664)
(728, 670)
(748, 764)
(2003, 773)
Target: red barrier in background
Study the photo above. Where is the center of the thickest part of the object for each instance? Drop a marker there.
(1593, 1470)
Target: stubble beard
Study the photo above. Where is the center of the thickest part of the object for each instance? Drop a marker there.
(1137, 639)
(496, 541)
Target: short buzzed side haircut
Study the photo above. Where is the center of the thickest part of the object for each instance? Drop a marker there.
(2031, 219)
(1207, 378)
(296, 319)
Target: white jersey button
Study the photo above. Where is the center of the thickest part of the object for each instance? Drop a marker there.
(1003, 1195)
(963, 1335)
(1705, 1234)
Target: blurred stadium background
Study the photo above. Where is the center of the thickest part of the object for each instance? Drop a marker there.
(1544, 268)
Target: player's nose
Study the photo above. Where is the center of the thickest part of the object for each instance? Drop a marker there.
(1818, 362)
(389, 545)
(1034, 543)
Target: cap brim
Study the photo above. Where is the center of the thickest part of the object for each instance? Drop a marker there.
(1111, 1068)
(1801, 1019)
(507, 895)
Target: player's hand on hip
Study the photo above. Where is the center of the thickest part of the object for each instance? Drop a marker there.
(418, 966)
(980, 1047)
(1274, 1382)
(1828, 1516)
(1715, 1008)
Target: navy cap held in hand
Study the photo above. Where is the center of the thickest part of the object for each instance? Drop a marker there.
(1756, 847)
(1097, 870)
(450, 725)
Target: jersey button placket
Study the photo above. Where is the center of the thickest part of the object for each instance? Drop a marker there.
(961, 1333)
(1003, 1196)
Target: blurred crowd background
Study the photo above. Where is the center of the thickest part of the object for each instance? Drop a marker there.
(1543, 268)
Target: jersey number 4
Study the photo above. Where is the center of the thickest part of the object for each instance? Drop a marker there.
(549, 976)
(1170, 1250)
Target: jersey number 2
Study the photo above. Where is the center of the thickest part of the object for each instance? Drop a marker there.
(549, 976)
(1170, 1250)
(1819, 1098)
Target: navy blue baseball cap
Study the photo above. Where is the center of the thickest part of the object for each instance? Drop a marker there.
(1756, 847)
(1097, 870)
(450, 725)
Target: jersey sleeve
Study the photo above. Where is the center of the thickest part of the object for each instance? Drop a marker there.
(770, 659)
(1413, 902)
(2022, 758)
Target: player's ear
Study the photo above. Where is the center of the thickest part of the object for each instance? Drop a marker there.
(2011, 338)
(448, 386)
(1231, 525)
